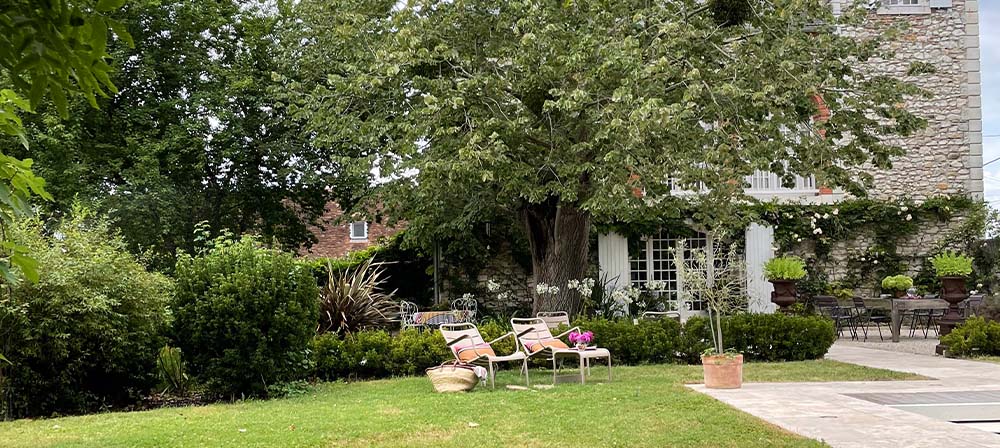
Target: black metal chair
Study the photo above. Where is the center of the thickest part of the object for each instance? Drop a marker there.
(972, 305)
(843, 317)
(864, 317)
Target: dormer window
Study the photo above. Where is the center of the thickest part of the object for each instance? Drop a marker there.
(359, 231)
(891, 7)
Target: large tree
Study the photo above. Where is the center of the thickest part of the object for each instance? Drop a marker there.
(196, 134)
(560, 111)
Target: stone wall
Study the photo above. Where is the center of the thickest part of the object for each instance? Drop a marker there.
(946, 157)
(912, 249)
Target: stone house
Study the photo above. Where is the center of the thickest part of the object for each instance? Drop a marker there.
(944, 159)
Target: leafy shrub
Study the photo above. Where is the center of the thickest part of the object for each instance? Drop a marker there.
(779, 337)
(376, 354)
(244, 317)
(951, 264)
(85, 336)
(897, 283)
(353, 300)
(648, 342)
(976, 337)
(785, 268)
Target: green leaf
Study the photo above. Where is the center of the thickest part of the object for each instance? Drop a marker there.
(108, 5)
(4, 359)
(28, 266)
(121, 31)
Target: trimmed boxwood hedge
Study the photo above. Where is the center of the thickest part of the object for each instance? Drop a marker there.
(760, 337)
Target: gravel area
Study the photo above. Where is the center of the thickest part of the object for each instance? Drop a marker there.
(919, 346)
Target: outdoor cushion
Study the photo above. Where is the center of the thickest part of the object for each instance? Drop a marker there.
(551, 343)
(470, 352)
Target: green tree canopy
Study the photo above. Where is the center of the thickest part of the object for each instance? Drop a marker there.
(196, 134)
(48, 49)
(557, 111)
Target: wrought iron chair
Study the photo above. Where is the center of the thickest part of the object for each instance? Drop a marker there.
(468, 305)
(972, 305)
(843, 317)
(406, 312)
(864, 317)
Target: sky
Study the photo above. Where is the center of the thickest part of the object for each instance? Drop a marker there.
(989, 43)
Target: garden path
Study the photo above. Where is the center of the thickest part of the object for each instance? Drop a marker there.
(843, 414)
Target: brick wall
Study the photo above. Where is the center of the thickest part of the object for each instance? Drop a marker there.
(334, 237)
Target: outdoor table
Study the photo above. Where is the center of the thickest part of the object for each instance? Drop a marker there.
(438, 318)
(896, 308)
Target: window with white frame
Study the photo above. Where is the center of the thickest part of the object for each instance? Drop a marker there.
(904, 7)
(359, 230)
(653, 259)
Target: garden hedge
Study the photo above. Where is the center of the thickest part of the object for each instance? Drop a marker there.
(771, 337)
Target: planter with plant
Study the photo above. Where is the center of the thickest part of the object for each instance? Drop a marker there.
(897, 284)
(715, 278)
(783, 272)
(953, 269)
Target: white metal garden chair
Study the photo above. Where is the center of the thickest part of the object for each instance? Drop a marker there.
(535, 338)
(554, 319)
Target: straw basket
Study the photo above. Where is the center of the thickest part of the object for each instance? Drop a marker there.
(453, 377)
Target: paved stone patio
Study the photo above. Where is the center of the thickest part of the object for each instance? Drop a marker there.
(824, 411)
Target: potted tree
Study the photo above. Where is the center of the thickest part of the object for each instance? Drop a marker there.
(783, 272)
(715, 279)
(952, 269)
(897, 284)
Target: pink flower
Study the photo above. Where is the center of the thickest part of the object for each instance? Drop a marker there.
(581, 338)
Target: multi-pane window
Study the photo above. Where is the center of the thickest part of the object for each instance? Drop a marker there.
(359, 230)
(904, 7)
(653, 259)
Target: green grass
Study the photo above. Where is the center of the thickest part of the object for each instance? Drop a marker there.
(643, 406)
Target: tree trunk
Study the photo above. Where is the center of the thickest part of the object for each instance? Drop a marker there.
(559, 238)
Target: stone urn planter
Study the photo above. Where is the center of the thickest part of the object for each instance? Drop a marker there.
(954, 292)
(723, 371)
(784, 294)
(783, 272)
(952, 268)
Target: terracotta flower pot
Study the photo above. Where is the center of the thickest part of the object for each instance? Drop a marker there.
(723, 371)
(784, 294)
(899, 294)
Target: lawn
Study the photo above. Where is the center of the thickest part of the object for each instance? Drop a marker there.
(644, 406)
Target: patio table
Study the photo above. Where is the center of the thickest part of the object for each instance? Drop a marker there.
(437, 318)
(896, 308)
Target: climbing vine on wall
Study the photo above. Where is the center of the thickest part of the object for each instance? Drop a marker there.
(818, 228)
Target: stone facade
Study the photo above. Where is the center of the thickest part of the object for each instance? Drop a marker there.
(946, 157)
(334, 237)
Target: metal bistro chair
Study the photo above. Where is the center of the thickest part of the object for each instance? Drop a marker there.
(973, 304)
(865, 318)
(925, 318)
(406, 312)
(842, 317)
(467, 306)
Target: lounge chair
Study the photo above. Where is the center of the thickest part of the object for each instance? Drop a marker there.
(469, 347)
(535, 338)
(554, 319)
